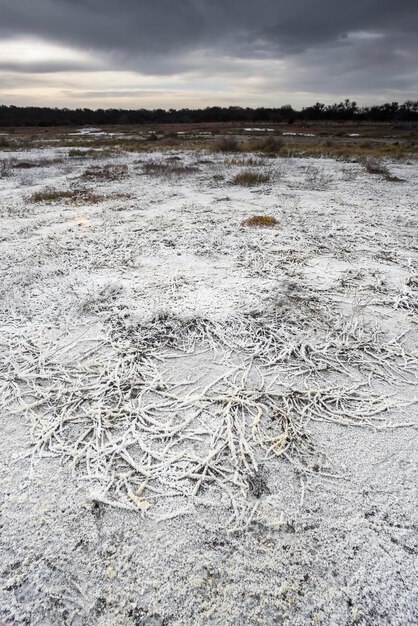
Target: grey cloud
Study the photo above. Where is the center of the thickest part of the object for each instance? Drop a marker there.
(204, 37)
(46, 67)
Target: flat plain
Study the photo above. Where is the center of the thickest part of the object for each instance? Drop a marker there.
(208, 358)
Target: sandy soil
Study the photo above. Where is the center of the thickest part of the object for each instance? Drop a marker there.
(203, 422)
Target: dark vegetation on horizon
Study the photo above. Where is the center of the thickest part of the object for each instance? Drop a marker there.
(343, 111)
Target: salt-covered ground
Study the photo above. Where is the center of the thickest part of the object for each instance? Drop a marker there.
(204, 422)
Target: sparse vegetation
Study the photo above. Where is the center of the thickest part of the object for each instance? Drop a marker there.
(300, 139)
(255, 221)
(201, 356)
(248, 178)
(349, 150)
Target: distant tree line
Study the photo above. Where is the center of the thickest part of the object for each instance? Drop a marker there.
(343, 111)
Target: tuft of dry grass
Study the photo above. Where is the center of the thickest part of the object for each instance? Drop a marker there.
(255, 221)
(248, 178)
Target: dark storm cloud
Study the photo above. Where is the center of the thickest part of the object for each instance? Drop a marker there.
(160, 26)
(361, 42)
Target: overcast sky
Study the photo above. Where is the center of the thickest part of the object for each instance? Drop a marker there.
(175, 53)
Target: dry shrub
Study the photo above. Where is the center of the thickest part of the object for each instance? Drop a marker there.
(107, 172)
(84, 196)
(270, 146)
(249, 162)
(248, 178)
(226, 144)
(376, 166)
(315, 179)
(255, 221)
(6, 167)
(26, 165)
(52, 196)
(76, 153)
(349, 174)
(90, 153)
(167, 169)
(171, 138)
(205, 161)
(171, 134)
(4, 142)
(169, 142)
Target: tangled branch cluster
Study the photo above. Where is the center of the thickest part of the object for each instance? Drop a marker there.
(138, 435)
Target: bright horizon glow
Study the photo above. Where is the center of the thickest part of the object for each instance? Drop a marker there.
(34, 71)
(23, 50)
